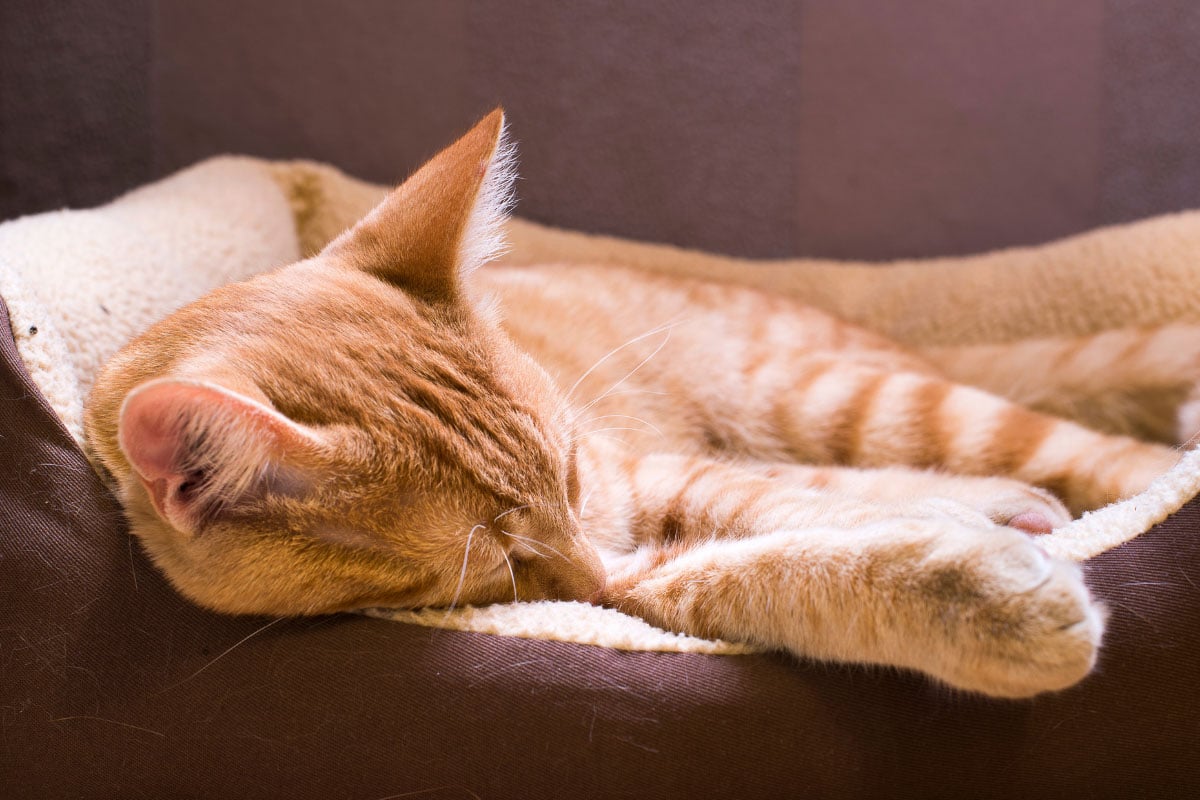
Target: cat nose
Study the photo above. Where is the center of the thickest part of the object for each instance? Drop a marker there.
(594, 580)
(581, 577)
(574, 570)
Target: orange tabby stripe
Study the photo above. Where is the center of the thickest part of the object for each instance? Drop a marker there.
(674, 521)
(925, 411)
(846, 431)
(1018, 435)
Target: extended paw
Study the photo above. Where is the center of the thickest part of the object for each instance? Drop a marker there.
(1026, 508)
(1011, 621)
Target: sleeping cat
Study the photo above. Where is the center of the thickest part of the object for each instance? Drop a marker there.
(385, 424)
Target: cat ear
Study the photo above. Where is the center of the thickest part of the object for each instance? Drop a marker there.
(197, 447)
(444, 221)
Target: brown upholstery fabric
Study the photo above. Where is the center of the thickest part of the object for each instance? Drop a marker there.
(859, 129)
(855, 129)
(113, 686)
(74, 102)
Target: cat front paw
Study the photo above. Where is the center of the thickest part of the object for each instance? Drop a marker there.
(1012, 621)
(1028, 508)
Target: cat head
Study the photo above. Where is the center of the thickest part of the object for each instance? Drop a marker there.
(354, 430)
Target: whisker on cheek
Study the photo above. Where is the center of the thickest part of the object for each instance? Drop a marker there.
(510, 511)
(585, 434)
(534, 544)
(511, 574)
(462, 575)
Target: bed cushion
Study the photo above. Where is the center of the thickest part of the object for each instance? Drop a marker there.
(115, 686)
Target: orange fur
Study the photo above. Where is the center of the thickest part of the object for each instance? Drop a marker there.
(383, 425)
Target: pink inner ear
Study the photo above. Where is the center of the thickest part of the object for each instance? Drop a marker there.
(241, 436)
(152, 427)
(151, 433)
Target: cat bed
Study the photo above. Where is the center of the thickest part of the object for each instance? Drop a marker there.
(77, 284)
(229, 218)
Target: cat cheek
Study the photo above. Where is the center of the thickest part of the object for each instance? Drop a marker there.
(573, 487)
(349, 538)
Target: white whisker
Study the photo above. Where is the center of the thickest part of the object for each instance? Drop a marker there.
(510, 511)
(462, 575)
(583, 505)
(608, 392)
(658, 329)
(639, 391)
(534, 544)
(649, 425)
(585, 434)
(511, 574)
(227, 651)
(530, 543)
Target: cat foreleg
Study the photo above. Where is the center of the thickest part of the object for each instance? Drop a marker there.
(1002, 500)
(691, 499)
(981, 610)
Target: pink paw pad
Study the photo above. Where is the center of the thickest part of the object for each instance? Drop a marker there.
(1032, 522)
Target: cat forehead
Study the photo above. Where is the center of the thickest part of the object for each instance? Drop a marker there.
(312, 313)
(428, 382)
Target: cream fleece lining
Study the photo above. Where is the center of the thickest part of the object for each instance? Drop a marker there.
(79, 284)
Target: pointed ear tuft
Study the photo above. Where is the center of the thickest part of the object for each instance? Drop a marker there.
(197, 447)
(443, 222)
(483, 239)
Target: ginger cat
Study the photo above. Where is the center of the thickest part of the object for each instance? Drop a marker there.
(385, 424)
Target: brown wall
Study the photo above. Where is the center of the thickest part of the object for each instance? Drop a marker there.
(75, 124)
(860, 128)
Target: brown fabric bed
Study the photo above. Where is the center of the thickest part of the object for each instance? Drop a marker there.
(114, 686)
(862, 129)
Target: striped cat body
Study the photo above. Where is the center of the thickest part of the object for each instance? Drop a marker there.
(387, 425)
